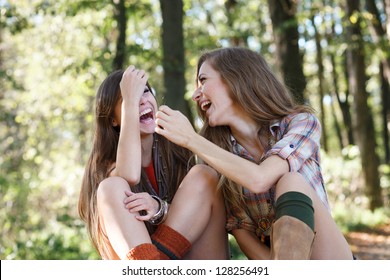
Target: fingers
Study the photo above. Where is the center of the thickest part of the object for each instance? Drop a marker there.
(164, 114)
(129, 193)
(134, 71)
(136, 202)
(162, 117)
(165, 109)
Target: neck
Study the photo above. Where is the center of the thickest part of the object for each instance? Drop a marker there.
(146, 149)
(245, 131)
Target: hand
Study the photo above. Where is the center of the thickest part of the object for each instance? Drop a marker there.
(136, 202)
(133, 84)
(174, 126)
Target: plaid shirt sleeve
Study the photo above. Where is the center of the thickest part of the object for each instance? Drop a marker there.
(299, 136)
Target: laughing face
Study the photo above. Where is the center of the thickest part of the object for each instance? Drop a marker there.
(212, 96)
(147, 112)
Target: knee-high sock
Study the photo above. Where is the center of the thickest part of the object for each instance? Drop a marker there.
(170, 242)
(144, 251)
(297, 205)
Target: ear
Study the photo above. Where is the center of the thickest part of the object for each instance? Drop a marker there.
(114, 123)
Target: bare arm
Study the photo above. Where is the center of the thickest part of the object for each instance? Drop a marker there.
(128, 161)
(250, 245)
(257, 178)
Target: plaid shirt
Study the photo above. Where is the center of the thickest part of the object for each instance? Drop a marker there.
(295, 138)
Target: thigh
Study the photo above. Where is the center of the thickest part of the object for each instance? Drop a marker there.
(329, 242)
(123, 230)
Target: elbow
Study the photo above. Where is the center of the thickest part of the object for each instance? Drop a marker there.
(258, 184)
(258, 187)
(131, 178)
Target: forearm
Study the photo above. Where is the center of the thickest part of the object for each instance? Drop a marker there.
(251, 246)
(128, 161)
(256, 178)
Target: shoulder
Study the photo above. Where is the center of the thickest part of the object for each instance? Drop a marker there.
(306, 119)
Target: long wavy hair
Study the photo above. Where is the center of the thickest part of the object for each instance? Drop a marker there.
(253, 86)
(104, 151)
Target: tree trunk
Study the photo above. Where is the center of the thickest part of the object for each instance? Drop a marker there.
(346, 107)
(121, 19)
(381, 40)
(289, 59)
(237, 38)
(337, 126)
(324, 136)
(343, 103)
(386, 4)
(336, 93)
(173, 55)
(385, 91)
(363, 122)
(378, 34)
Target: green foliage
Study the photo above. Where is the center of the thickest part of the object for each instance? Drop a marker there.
(235, 251)
(53, 56)
(345, 188)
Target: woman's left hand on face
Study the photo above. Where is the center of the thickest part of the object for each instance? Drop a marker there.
(136, 202)
(174, 126)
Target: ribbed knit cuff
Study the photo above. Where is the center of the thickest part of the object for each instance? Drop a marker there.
(145, 251)
(170, 242)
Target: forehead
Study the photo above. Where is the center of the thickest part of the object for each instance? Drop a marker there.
(206, 68)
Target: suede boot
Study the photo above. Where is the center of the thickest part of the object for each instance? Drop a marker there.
(291, 239)
(171, 244)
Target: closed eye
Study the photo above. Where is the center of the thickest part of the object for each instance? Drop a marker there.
(202, 80)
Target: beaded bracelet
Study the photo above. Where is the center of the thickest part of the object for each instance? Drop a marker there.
(162, 212)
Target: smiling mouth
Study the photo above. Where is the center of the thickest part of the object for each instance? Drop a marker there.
(146, 116)
(205, 105)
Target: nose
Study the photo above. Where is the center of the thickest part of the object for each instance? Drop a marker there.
(143, 99)
(196, 95)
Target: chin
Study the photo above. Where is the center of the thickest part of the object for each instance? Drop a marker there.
(147, 130)
(212, 123)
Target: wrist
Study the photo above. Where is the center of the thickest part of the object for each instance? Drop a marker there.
(161, 213)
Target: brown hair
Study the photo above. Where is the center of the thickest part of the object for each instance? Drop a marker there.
(253, 86)
(104, 151)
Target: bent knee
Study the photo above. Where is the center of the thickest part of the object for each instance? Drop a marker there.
(203, 172)
(201, 179)
(292, 181)
(111, 189)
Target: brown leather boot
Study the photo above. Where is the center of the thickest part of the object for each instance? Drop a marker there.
(291, 239)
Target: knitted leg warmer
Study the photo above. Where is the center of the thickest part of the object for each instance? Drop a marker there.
(170, 242)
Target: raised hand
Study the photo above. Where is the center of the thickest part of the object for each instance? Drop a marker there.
(133, 84)
(174, 126)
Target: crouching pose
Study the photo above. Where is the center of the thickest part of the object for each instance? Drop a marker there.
(267, 150)
(142, 197)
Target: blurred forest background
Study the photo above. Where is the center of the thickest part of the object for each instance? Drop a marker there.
(333, 54)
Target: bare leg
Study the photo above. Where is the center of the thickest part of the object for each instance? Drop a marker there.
(122, 228)
(198, 213)
(329, 242)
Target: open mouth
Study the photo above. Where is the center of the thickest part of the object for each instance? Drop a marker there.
(205, 105)
(146, 116)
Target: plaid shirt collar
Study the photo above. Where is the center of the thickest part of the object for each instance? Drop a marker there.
(242, 152)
